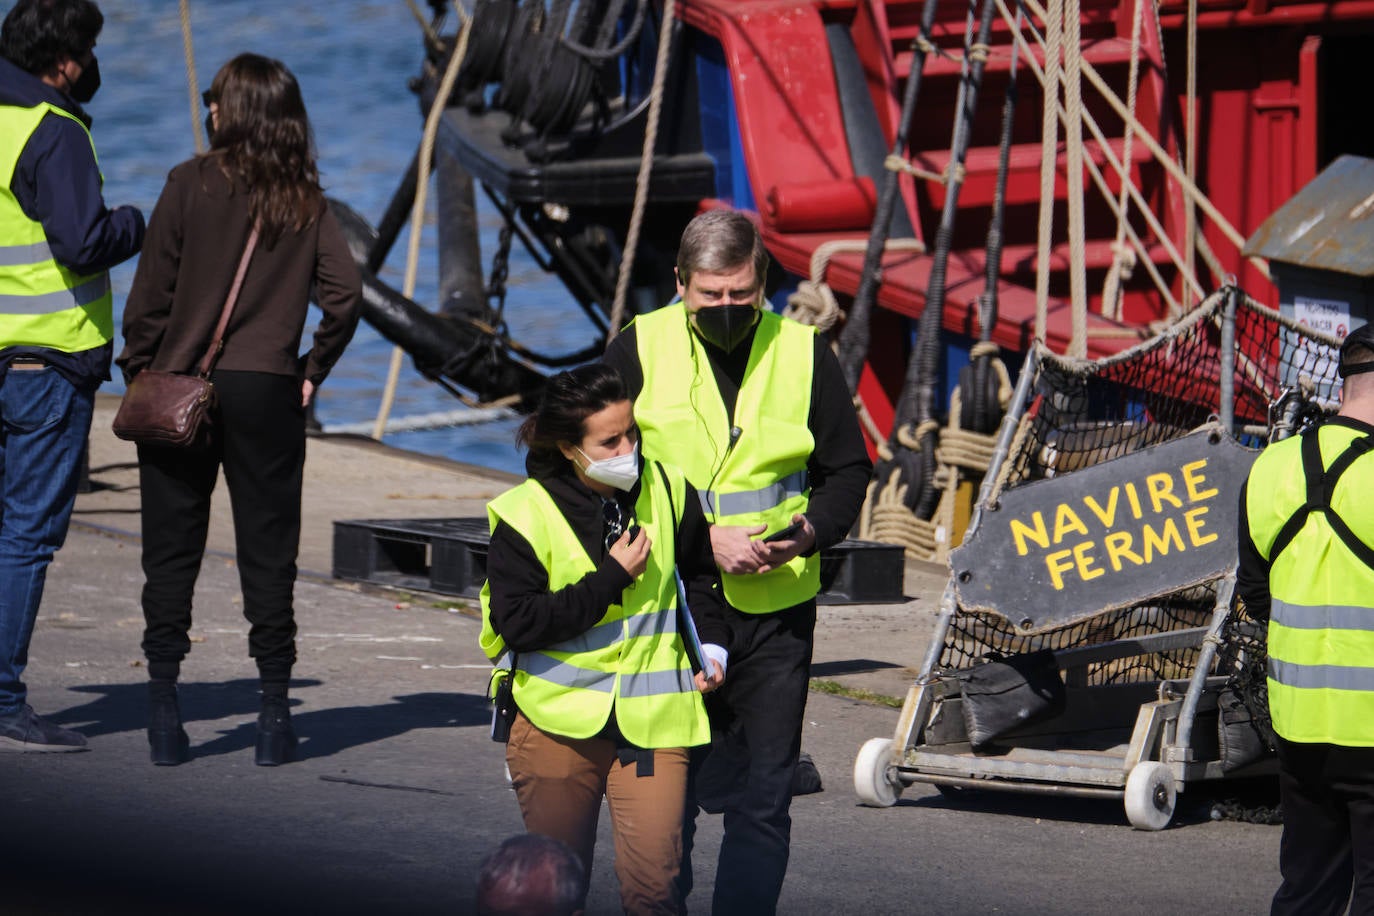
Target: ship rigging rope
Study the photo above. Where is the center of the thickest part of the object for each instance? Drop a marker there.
(1073, 138)
(192, 82)
(417, 212)
(1186, 184)
(1049, 133)
(1123, 257)
(1116, 164)
(1189, 211)
(646, 167)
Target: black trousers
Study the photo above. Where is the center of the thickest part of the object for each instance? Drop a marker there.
(746, 771)
(1326, 854)
(260, 441)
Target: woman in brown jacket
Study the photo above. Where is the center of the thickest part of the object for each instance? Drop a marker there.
(260, 169)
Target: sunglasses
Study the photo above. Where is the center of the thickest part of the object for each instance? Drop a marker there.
(614, 519)
(208, 98)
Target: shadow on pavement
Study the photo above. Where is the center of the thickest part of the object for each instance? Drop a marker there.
(323, 732)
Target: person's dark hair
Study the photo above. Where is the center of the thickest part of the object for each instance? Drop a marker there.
(262, 136)
(569, 399)
(531, 875)
(720, 240)
(36, 33)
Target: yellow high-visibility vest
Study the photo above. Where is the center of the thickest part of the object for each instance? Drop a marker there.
(1321, 580)
(42, 303)
(633, 660)
(750, 469)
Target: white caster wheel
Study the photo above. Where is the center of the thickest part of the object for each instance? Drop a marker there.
(1150, 796)
(874, 780)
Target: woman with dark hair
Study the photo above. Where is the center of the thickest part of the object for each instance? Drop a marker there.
(581, 611)
(260, 172)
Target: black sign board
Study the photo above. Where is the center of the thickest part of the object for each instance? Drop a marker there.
(1145, 524)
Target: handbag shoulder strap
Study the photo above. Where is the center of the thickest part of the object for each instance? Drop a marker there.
(217, 342)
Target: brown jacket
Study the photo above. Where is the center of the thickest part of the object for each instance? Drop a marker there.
(195, 238)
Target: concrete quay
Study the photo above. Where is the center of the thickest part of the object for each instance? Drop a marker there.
(399, 793)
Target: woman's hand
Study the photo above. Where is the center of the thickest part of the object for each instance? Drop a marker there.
(633, 556)
(707, 684)
(307, 392)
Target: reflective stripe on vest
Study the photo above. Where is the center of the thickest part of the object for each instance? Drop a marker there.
(1321, 625)
(605, 635)
(1318, 677)
(1321, 617)
(633, 660)
(87, 293)
(760, 479)
(15, 255)
(760, 500)
(42, 302)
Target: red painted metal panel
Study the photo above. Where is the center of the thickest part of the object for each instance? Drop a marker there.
(785, 99)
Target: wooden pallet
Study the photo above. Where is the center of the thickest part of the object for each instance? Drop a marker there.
(449, 556)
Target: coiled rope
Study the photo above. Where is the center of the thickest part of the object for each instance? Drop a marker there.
(885, 515)
(417, 213)
(814, 303)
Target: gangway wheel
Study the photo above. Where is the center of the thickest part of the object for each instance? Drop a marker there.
(1150, 796)
(875, 778)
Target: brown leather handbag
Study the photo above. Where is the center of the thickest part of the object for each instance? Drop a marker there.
(172, 409)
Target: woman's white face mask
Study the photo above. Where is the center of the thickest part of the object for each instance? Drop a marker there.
(620, 472)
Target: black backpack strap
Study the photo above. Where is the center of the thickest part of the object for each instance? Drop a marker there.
(669, 487)
(1321, 485)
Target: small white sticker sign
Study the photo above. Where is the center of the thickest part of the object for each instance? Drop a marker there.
(1326, 315)
(1330, 316)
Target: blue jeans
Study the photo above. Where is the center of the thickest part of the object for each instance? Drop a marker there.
(44, 423)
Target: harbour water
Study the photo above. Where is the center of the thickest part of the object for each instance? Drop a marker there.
(353, 60)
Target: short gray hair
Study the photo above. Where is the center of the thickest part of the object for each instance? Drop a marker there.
(720, 240)
(530, 873)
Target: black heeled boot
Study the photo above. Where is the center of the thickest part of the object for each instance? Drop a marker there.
(276, 738)
(168, 743)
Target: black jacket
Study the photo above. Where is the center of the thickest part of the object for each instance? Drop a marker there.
(839, 468)
(529, 616)
(57, 183)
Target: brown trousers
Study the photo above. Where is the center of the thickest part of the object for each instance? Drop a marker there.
(560, 782)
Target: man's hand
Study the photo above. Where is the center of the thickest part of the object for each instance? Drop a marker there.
(736, 551)
(633, 557)
(776, 553)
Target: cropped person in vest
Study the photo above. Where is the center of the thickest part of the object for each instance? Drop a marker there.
(754, 408)
(260, 171)
(581, 603)
(1307, 564)
(57, 242)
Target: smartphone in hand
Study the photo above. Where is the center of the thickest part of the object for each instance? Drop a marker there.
(784, 534)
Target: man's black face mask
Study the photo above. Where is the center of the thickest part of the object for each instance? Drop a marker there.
(725, 326)
(84, 89)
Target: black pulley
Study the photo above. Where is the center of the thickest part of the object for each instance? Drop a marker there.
(492, 25)
(521, 55)
(555, 102)
(980, 410)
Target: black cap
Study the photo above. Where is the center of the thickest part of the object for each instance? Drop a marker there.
(1363, 336)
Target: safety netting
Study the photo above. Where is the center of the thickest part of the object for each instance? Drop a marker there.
(1076, 414)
